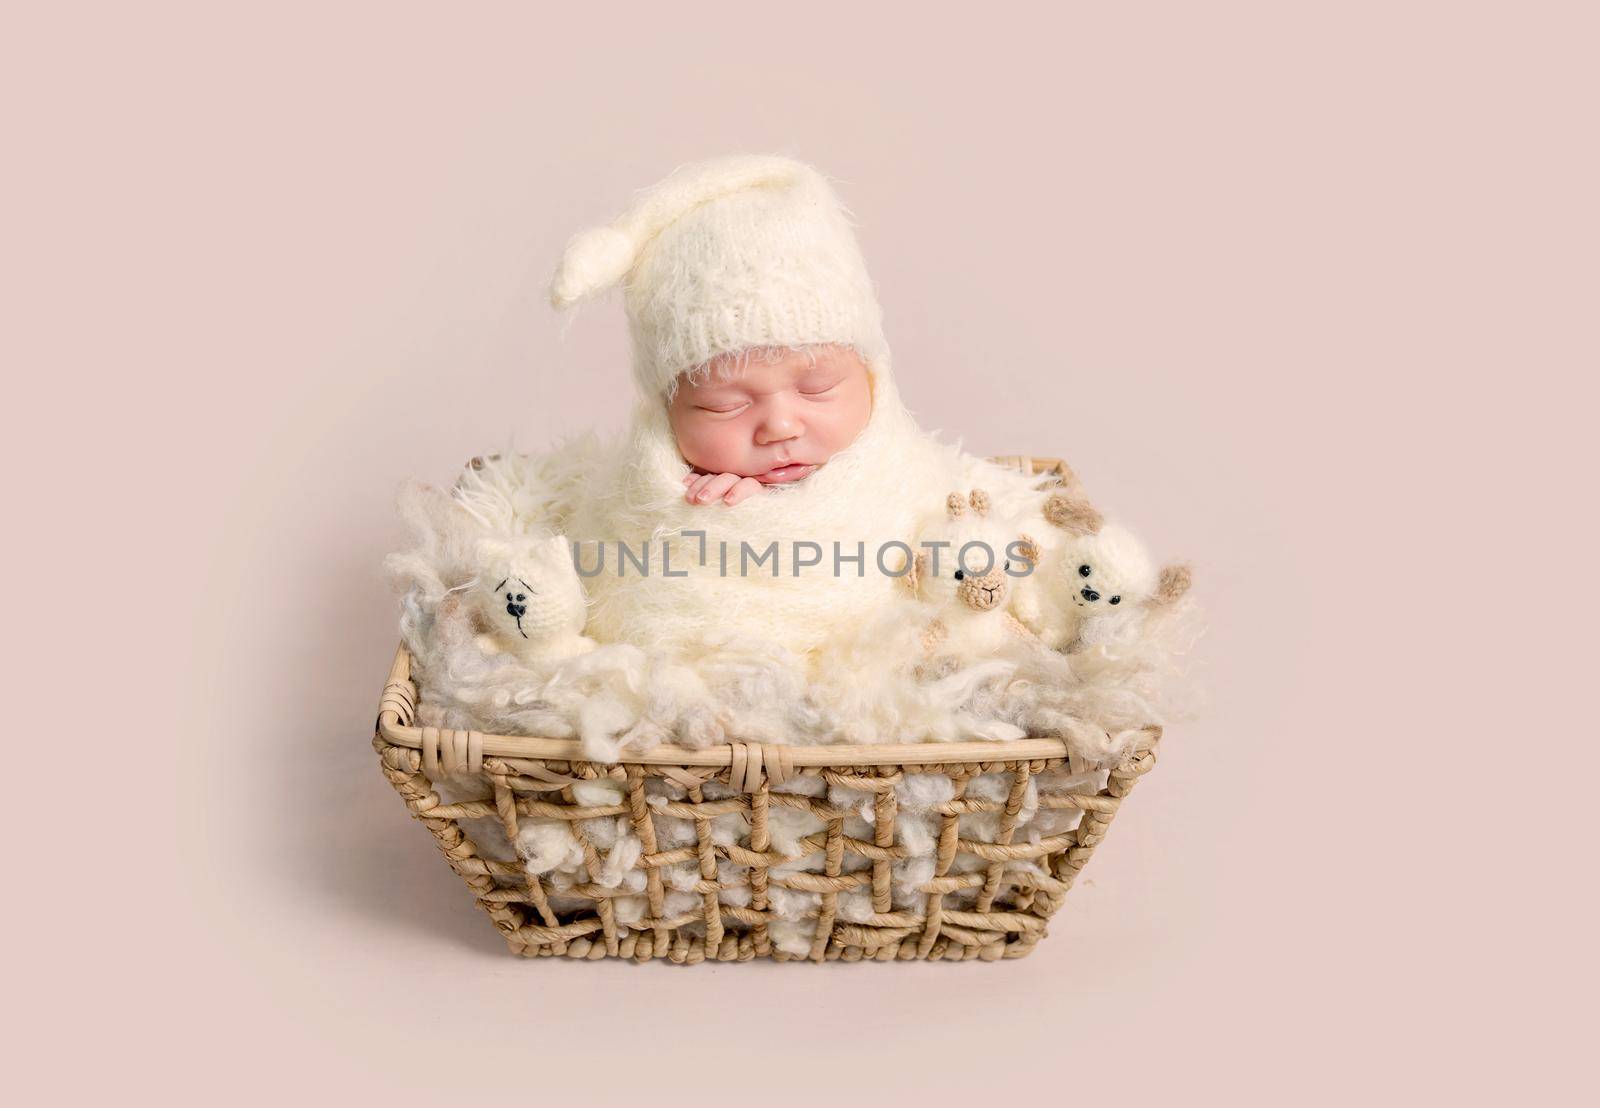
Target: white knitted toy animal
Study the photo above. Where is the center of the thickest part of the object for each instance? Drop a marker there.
(968, 580)
(1100, 571)
(528, 600)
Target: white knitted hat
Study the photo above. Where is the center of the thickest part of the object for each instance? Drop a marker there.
(725, 255)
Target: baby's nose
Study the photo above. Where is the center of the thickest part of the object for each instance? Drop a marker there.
(777, 426)
(777, 432)
(1089, 594)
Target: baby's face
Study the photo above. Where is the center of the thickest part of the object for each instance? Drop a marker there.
(776, 421)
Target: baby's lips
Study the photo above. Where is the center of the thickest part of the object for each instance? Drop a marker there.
(787, 474)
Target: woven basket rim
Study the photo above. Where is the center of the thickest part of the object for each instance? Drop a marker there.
(398, 701)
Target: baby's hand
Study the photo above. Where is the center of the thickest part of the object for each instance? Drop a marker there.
(703, 488)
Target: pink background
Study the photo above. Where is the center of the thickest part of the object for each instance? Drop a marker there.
(1306, 296)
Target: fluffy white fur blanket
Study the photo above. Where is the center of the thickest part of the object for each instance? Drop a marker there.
(839, 662)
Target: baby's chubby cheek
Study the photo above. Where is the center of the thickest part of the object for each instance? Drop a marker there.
(713, 448)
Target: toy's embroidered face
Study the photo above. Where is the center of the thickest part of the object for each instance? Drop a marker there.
(978, 580)
(1106, 571)
(516, 598)
(982, 593)
(528, 589)
(953, 585)
(1089, 594)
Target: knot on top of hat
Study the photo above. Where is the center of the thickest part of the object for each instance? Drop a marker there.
(599, 258)
(594, 261)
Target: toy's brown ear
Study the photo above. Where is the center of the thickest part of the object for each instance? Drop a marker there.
(955, 504)
(917, 570)
(980, 502)
(1028, 548)
(1173, 583)
(1073, 514)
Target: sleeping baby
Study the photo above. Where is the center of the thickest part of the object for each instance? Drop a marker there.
(769, 463)
(767, 417)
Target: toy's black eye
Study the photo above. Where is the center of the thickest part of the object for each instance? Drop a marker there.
(960, 576)
(521, 596)
(1084, 571)
(1116, 600)
(1008, 563)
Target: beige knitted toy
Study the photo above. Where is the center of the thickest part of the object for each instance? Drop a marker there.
(528, 600)
(964, 568)
(1099, 572)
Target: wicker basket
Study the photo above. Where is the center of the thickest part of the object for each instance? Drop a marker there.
(519, 778)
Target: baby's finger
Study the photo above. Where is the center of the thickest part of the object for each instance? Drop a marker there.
(746, 488)
(715, 488)
(701, 490)
(691, 477)
(692, 494)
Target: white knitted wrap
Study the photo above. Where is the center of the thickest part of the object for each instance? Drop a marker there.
(725, 255)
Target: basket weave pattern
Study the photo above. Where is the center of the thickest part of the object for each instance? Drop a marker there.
(512, 779)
